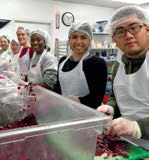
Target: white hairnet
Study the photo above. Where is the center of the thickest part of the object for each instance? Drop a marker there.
(81, 27)
(6, 37)
(45, 35)
(15, 41)
(25, 29)
(125, 14)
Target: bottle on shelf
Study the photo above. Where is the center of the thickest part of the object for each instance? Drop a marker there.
(105, 44)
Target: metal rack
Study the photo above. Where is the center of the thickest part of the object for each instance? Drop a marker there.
(61, 49)
(108, 53)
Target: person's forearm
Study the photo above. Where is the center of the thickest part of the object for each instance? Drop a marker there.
(25, 74)
(44, 85)
(112, 102)
(50, 78)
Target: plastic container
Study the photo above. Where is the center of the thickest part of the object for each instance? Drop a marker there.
(55, 128)
(101, 25)
(4, 81)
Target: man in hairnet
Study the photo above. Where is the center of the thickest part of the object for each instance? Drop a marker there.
(81, 76)
(130, 31)
(26, 51)
(43, 66)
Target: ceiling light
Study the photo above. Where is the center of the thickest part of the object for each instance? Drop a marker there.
(131, 2)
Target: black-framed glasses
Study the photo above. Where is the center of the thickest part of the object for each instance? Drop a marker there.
(133, 29)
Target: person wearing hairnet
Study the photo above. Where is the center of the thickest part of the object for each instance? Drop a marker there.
(81, 76)
(129, 28)
(43, 67)
(4, 44)
(4, 51)
(14, 56)
(26, 51)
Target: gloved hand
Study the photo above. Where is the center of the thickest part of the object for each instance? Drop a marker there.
(23, 75)
(106, 109)
(122, 126)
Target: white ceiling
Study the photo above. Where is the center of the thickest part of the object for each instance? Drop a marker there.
(101, 3)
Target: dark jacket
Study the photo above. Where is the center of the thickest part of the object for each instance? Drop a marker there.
(95, 71)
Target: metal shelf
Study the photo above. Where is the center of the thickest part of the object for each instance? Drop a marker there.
(61, 49)
(110, 60)
(100, 33)
(97, 49)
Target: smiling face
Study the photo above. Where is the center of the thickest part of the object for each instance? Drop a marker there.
(133, 44)
(38, 43)
(22, 36)
(4, 44)
(79, 42)
(15, 47)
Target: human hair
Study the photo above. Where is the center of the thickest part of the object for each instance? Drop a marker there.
(25, 29)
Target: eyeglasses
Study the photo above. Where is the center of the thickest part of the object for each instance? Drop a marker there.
(121, 32)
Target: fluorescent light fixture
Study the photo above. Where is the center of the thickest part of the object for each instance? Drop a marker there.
(132, 1)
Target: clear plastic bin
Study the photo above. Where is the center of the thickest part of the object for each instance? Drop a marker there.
(56, 128)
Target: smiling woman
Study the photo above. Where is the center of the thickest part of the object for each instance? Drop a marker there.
(4, 51)
(81, 76)
(43, 67)
(4, 44)
(37, 42)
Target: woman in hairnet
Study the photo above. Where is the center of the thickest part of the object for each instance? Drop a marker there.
(14, 57)
(43, 67)
(82, 76)
(4, 51)
(4, 44)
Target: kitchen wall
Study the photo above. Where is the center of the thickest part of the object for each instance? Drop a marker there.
(145, 6)
(44, 11)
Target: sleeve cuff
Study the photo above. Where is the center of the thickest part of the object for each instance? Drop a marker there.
(138, 130)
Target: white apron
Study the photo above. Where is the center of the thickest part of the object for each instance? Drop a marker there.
(73, 83)
(132, 94)
(35, 75)
(13, 64)
(24, 61)
(4, 58)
